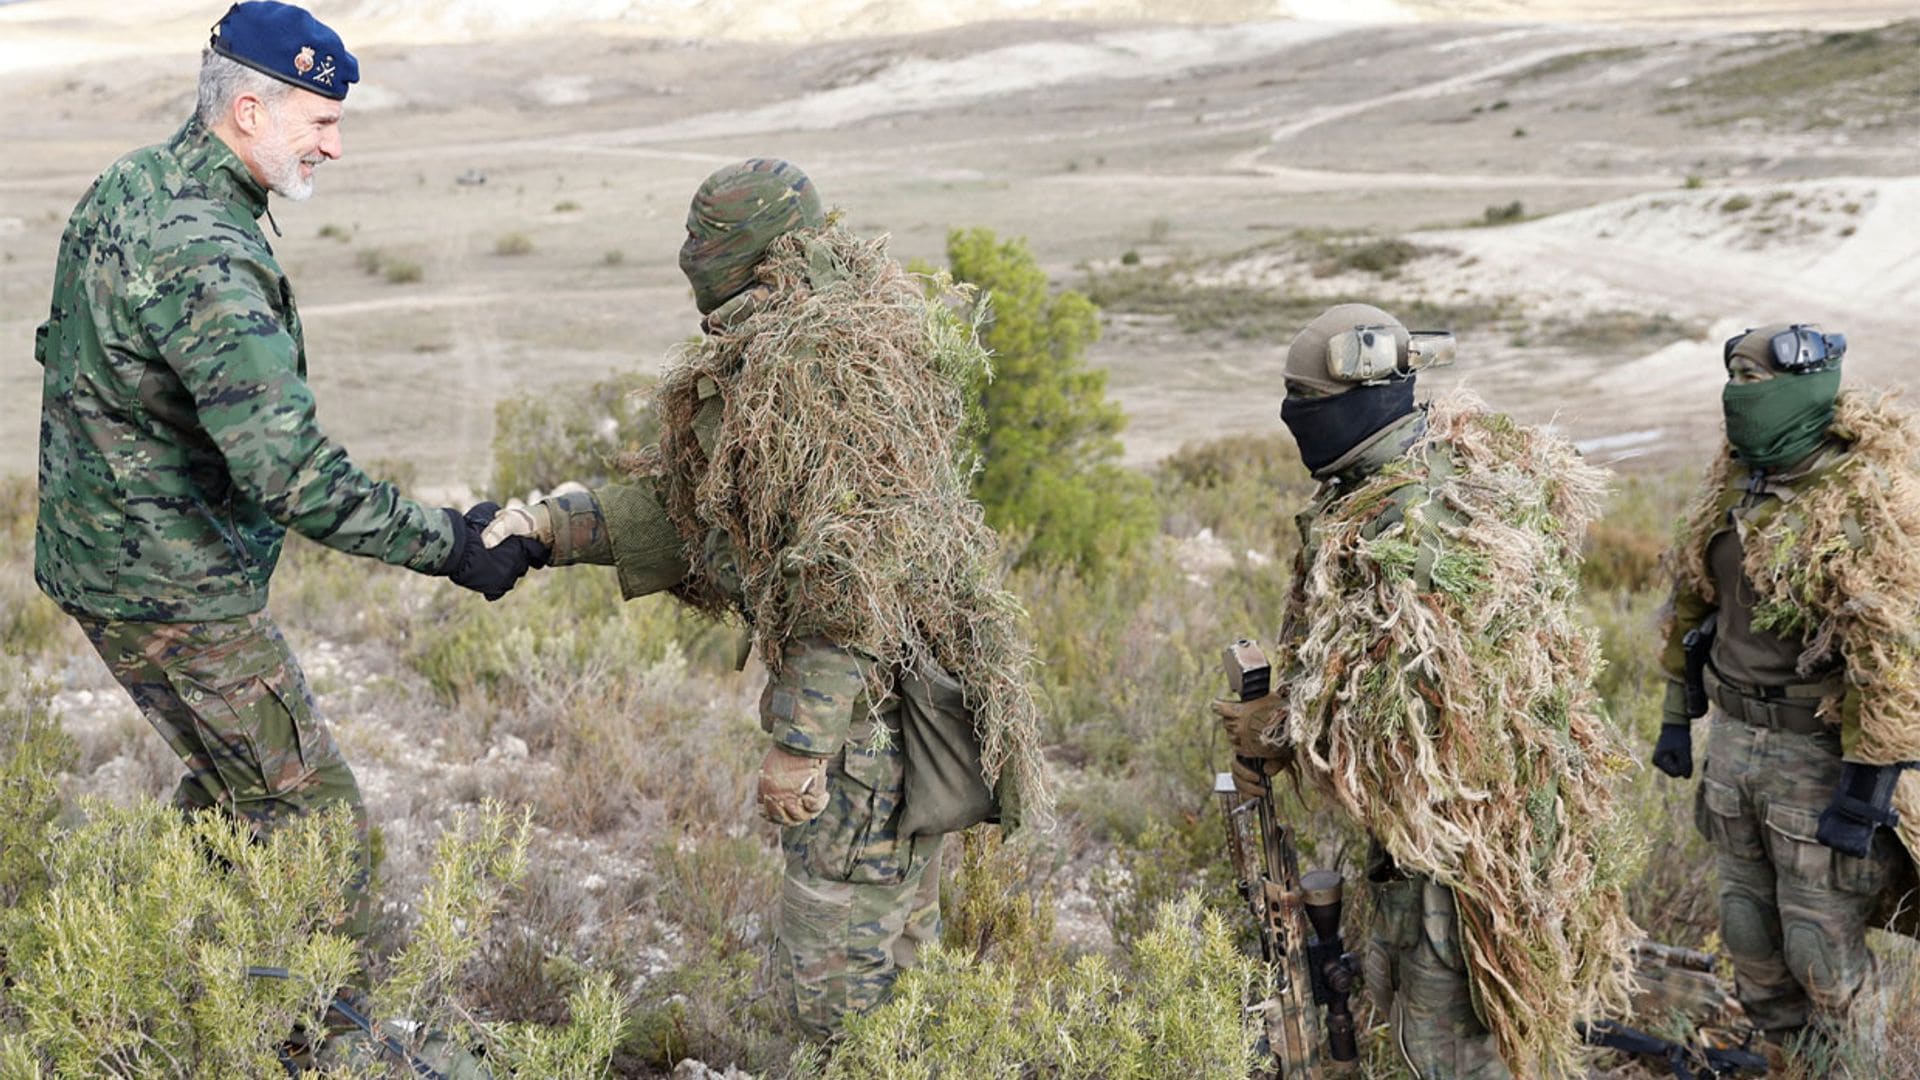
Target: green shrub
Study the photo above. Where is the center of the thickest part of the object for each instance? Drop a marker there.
(545, 437)
(1177, 1010)
(991, 905)
(583, 1048)
(1504, 214)
(565, 206)
(34, 751)
(716, 1007)
(562, 628)
(31, 624)
(167, 946)
(1049, 447)
(401, 272)
(1382, 257)
(1736, 203)
(1620, 329)
(134, 961)
(513, 244)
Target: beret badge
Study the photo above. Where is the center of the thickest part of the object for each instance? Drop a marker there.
(287, 43)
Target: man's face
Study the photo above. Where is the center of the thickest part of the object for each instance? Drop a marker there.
(300, 131)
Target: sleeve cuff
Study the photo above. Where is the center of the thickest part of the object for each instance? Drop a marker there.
(579, 529)
(1673, 708)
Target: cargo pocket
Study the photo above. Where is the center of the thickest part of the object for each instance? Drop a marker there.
(250, 731)
(1795, 853)
(1720, 816)
(855, 840)
(1871, 875)
(1396, 929)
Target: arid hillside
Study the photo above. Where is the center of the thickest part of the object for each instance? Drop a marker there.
(1708, 190)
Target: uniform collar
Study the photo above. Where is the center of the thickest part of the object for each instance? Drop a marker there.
(1381, 447)
(207, 157)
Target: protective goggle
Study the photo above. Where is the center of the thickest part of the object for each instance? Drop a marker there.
(1800, 349)
(1370, 354)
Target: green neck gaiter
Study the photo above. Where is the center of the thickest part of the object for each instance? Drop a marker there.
(1781, 420)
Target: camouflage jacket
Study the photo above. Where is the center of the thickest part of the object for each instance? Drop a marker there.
(178, 438)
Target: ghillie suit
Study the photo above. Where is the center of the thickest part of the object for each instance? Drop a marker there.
(1441, 692)
(1839, 567)
(814, 465)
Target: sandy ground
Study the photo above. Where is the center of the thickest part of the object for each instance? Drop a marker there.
(1090, 138)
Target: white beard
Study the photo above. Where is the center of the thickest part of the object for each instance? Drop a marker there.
(282, 168)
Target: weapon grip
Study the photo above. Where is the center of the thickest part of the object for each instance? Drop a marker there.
(1697, 643)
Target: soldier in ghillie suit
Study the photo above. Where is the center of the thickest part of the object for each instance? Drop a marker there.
(178, 441)
(1432, 681)
(1797, 590)
(811, 480)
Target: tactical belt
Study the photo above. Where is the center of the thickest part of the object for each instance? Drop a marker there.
(1793, 708)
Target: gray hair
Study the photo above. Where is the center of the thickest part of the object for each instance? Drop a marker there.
(222, 79)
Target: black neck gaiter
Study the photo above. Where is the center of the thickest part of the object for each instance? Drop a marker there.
(1327, 427)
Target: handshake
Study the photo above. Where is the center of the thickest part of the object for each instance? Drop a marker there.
(488, 556)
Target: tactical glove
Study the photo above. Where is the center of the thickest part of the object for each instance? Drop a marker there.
(1245, 722)
(534, 522)
(793, 787)
(1862, 802)
(491, 572)
(1252, 777)
(1673, 754)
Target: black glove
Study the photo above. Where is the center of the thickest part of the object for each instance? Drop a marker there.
(1862, 802)
(491, 572)
(1673, 754)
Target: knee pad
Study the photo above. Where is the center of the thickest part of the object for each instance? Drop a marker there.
(1751, 930)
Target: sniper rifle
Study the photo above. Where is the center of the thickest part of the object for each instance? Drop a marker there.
(1298, 917)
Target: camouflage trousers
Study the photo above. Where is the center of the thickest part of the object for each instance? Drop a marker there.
(231, 701)
(1417, 977)
(858, 901)
(1792, 911)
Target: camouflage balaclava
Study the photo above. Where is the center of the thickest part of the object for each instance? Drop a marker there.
(1330, 418)
(735, 215)
(1779, 420)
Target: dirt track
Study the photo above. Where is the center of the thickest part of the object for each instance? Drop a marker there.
(1176, 142)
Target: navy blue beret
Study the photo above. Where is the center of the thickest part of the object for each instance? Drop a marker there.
(287, 43)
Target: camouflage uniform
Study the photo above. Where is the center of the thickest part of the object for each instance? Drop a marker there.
(858, 901)
(1793, 912)
(859, 896)
(178, 443)
(1415, 971)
